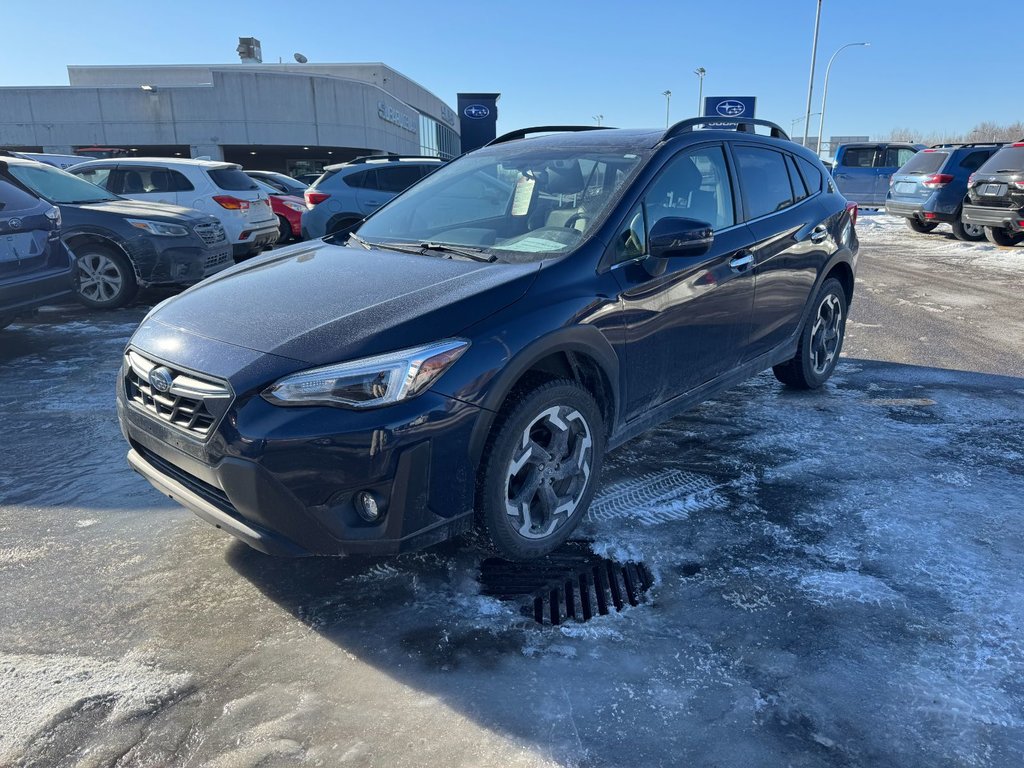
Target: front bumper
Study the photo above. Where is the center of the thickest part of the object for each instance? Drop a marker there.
(284, 480)
(1000, 218)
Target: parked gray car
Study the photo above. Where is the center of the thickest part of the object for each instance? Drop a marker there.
(346, 193)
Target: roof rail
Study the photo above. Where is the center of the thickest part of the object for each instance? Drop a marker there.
(950, 145)
(522, 133)
(389, 158)
(745, 124)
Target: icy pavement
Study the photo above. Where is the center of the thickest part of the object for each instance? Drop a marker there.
(838, 582)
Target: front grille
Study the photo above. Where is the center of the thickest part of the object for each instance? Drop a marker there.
(216, 259)
(188, 403)
(211, 233)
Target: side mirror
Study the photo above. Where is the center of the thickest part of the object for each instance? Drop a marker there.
(675, 236)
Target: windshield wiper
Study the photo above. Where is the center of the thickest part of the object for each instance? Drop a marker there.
(466, 252)
(358, 239)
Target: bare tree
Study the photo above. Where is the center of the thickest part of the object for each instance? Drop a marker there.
(984, 131)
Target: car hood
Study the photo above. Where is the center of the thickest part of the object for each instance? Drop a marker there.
(166, 212)
(319, 303)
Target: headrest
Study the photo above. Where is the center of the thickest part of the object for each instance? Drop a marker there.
(564, 177)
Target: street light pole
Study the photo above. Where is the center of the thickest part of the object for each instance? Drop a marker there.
(824, 92)
(668, 101)
(810, 81)
(700, 72)
(599, 119)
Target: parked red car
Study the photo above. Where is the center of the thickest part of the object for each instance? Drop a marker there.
(288, 209)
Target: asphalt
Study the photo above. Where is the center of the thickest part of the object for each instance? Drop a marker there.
(837, 576)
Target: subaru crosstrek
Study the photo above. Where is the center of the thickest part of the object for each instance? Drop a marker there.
(929, 190)
(470, 353)
(995, 196)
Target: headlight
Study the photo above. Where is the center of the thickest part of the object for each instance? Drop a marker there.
(54, 215)
(159, 228)
(371, 382)
(294, 206)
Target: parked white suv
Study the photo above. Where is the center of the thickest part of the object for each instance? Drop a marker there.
(220, 189)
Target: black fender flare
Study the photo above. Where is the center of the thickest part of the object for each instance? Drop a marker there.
(102, 234)
(578, 339)
(842, 256)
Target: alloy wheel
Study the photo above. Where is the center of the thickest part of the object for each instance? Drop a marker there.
(100, 278)
(974, 230)
(826, 333)
(549, 471)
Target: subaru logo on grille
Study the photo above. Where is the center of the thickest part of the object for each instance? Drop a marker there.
(476, 111)
(14, 223)
(160, 379)
(731, 108)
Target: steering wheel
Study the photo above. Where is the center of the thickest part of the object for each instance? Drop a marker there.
(570, 223)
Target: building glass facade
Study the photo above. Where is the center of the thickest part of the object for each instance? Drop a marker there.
(437, 139)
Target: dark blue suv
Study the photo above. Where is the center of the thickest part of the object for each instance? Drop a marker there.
(929, 190)
(473, 349)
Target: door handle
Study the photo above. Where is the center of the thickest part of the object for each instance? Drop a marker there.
(819, 233)
(742, 263)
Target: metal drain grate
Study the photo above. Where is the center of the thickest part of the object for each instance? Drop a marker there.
(571, 583)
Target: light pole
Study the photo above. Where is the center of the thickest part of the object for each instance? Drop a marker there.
(668, 101)
(700, 72)
(810, 80)
(598, 119)
(824, 94)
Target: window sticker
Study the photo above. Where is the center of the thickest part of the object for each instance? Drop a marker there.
(523, 196)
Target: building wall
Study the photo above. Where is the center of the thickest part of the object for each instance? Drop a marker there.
(240, 105)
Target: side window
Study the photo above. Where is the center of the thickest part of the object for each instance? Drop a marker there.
(903, 156)
(397, 178)
(693, 185)
(363, 180)
(975, 160)
(764, 180)
(858, 157)
(98, 176)
(631, 243)
(811, 174)
(797, 182)
(179, 182)
(894, 157)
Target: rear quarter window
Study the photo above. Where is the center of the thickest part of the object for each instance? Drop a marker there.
(811, 173)
(232, 179)
(1006, 160)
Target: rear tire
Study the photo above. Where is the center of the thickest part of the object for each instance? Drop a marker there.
(821, 341)
(106, 277)
(341, 222)
(284, 230)
(1000, 236)
(541, 468)
(921, 227)
(969, 233)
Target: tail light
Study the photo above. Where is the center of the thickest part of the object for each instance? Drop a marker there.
(936, 180)
(315, 198)
(970, 180)
(851, 208)
(1018, 184)
(231, 203)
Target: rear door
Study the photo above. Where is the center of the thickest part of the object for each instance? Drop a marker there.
(855, 174)
(782, 201)
(907, 183)
(888, 160)
(231, 181)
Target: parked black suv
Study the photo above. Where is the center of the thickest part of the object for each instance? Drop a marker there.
(929, 190)
(121, 245)
(473, 351)
(35, 266)
(995, 195)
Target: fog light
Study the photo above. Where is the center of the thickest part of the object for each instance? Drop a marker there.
(367, 507)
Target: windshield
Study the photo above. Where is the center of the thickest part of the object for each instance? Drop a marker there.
(57, 186)
(518, 202)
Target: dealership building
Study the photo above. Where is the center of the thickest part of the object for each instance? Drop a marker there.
(294, 117)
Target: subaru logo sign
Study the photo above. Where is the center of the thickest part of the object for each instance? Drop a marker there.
(14, 223)
(160, 379)
(476, 111)
(730, 108)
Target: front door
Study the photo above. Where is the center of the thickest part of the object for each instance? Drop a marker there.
(685, 326)
(855, 175)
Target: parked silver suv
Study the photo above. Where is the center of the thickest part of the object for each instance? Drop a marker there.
(346, 193)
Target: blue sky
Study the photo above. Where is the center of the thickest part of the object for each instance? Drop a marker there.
(567, 61)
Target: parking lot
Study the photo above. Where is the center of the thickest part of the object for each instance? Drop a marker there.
(837, 575)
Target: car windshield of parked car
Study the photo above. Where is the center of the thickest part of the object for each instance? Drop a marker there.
(58, 187)
(515, 202)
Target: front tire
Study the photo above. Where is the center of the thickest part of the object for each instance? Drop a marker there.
(969, 233)
(541, 469)
(1000, 236)
(821, 341)
(921, 227)
(106, 277)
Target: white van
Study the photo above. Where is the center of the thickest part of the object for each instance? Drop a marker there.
(217, 188)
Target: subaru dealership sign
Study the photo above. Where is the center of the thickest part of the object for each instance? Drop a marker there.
(728, 106)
